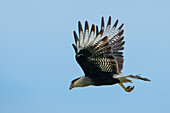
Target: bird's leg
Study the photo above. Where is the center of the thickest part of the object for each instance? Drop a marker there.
(127, 89)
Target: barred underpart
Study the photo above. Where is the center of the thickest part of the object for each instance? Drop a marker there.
(104, 46)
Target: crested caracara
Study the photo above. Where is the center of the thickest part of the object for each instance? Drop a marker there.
(99, 53)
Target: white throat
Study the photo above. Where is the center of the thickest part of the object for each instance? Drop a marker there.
(82, 82)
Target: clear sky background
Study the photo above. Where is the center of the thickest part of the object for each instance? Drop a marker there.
(37, 61)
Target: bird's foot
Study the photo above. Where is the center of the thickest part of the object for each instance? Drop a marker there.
(127, 89)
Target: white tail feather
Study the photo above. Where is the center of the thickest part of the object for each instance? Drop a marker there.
(124, 78)
(138, 77)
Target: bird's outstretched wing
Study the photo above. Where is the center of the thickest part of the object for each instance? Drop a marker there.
(99, 51)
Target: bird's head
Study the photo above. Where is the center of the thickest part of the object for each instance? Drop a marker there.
(74, 83)
(82, 81)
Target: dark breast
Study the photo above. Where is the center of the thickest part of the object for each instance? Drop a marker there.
(91, 70)
(103, 79)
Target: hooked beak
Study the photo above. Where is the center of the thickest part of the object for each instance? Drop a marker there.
(71, 86)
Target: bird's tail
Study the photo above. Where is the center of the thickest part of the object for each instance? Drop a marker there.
(124, 78)
(138, 77)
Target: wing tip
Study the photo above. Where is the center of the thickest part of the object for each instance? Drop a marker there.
(121, 26)
(75, 48)
(75, 37)
(115, 24)
(109, 21)
(86, 25)
(80, 26)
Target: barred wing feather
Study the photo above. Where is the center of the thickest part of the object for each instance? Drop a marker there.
(99, 51)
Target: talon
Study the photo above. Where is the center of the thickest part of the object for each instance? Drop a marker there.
(130, 89)
(127, 89)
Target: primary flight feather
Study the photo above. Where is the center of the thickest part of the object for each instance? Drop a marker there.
(99, 55)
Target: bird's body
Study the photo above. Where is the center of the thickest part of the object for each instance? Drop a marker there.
(100, 56)
(93, 73)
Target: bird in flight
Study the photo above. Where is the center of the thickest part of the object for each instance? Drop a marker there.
(99, 53)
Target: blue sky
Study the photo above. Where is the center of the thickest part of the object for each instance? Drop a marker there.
(37, 60)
